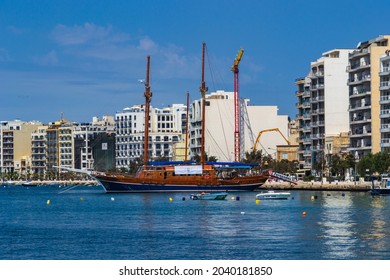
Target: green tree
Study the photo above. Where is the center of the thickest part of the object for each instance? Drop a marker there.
(196, 158)
(374, 163)
(254, 157)
(285, 166)
(381, 162)
(135, 164)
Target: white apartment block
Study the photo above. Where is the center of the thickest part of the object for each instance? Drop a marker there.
(166, 128)
(219, 125)
(322, 105)
(385, 100)
(364, 89)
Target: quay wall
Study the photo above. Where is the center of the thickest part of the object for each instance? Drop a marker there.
(318, 186)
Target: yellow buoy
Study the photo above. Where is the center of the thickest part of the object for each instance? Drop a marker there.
(170, 199)
(48, 202)
(257, 201)
(312, 197)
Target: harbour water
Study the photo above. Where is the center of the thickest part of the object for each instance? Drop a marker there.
(84, 223)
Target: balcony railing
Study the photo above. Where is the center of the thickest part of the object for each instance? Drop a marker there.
(359, 65)
(384, 85)
(360, 52)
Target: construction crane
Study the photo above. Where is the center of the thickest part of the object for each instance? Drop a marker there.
(268, 130)
(237, 108)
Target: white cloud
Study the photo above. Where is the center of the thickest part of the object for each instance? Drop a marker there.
(15, 30)
(87, 33)
(95, 48)
(48, 59)
(146, 44)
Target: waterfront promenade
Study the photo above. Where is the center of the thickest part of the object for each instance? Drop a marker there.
(319, 186)
(315, 186)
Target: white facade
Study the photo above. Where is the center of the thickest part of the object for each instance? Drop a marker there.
(262, 118)
(165, 129)
(219, 134)
(323, 104)
(336, 91)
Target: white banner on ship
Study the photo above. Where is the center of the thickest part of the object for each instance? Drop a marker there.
(188, 169)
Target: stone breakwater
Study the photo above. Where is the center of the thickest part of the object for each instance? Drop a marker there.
(318, 186)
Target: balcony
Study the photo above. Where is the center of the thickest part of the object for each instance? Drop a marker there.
(385, 99)
(298, 105)
(385, 71)
(359, 80)
(358, 66)
(385, 142)
(361, 92)
(316, 87)
(359, 106)
(360, 120)
(385, 113)
(306, 116)
(306, 105)
(306, 94)
(358, 53)
(384, 85)
(360, 133)
(385, 127)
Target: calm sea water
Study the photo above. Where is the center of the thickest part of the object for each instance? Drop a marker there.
(85, 223)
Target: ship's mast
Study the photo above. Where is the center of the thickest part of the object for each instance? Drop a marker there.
(203, 90)
(148, 97)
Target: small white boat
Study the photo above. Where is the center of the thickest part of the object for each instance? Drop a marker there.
(272, 195)
(383, 188)
(209, 196)
(29, 184)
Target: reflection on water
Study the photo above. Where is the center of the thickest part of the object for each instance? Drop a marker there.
(378, 225)
(338, 227)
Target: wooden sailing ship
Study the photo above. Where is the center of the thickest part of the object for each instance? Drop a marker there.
(183, 176)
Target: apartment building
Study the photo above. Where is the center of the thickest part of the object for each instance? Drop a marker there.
(15, 146)
(93, 141)
(73, 145)
(166, 128)
(364, 96)
(59, 146)
(38, 150)
(384, 88)
(322, 105)
(219, 125)
(304, 123)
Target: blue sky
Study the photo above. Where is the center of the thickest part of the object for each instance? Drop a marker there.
(84, 58)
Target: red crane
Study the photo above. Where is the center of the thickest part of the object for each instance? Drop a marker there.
(237, 108)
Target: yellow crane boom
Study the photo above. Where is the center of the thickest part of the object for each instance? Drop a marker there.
(268, 130)
(237, 60)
